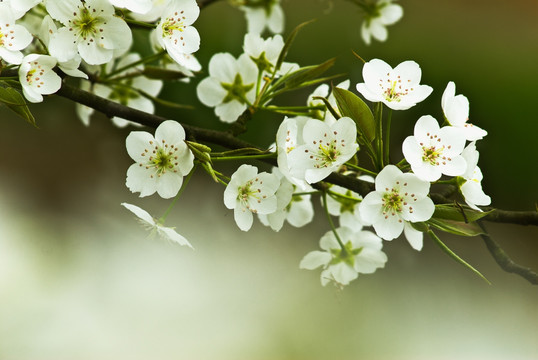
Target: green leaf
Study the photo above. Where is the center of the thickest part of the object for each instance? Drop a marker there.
(458, 213)
(288, 43)
(15, 101)
(307, 74)
(352, 106)
(454, 256)
(456, 227)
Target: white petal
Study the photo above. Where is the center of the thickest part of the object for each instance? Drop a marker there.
(414, 237)
(141, 213)
(243, 218)
(315, 259)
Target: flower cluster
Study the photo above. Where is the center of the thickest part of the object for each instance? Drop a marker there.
(319, 147)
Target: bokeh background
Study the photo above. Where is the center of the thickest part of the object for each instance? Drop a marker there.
(79, 279)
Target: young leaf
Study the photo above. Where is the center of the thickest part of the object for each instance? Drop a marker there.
(352, 106)
(454, 256)
(307, 73)
(456, 227)
(287, 44)
(458, 213)
(15, 101)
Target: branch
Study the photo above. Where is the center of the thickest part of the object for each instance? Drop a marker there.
(227, 140)
(500, 216)
(504, 260)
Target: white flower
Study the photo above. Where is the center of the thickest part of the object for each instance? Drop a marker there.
(157, 9)
(125, 91)
(325, 148)
(249, 192)
(147, 220)
(323, 91)
(362, 255)
(70, 67)
(397, 198)
(13, 37)
(230, 85)
(345, 208)
(456, 110)
(174, 31)
(297, 210)
(434, 151)
(90, 29)
(264, 14)
(161, 161)
(265, 53)
(397, 88)
(136, 6)
(37, 77)
(382, 14)
(17, 7)
(471, 189)
(288, 137)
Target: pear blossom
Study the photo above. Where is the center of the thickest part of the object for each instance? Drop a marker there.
(345, 207)
(174, 31)
(324, 150)
(37, 77)
(13, 37)
(263, 14)
(125, 91)
(397, 88)
(136, 6)
(90, 29)
(17, 7)
(295, 209)
(383, 13)
(71, 66)
(471, 189)
(362, 254)
(249, 192)
(324, 91)
(265, 53)
(433, 151)
(456, 110)
(155, 225)
(157, 9)
(230, 87)
(289, 136)
(161, 161)
(398, 198)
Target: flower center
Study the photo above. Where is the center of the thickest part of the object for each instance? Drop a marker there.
(34, 74)
(431, 154)
(236, 90)
(172, 24)
(394, 90)
(161, 157)
(392, 203)
(247, 192)
(327, 152)
(86, 24)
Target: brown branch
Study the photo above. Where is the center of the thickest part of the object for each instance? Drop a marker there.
(504, 260)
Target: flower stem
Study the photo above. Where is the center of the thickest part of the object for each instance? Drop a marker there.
(246, 157)
(185, 182)
(331, 223)
(361, 169)
(378, 114)
(387, 137)
(145, 60)
(454, 256)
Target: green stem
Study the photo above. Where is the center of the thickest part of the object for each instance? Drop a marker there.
(245, 157)
(387, 137)
(145, 60)
(366, 171)
(454, 256)
(342, 196)
(139, 24)
(331, 224)
(185, 182)
(378, 113)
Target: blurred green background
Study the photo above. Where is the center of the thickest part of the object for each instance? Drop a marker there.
(79, 279)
